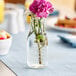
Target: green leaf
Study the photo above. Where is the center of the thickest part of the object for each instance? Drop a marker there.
(40, 37)
(30, 33)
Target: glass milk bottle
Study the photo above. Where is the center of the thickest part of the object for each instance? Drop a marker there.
(37, 44)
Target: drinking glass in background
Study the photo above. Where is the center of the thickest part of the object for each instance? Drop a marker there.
(27, 4)
(2, 7)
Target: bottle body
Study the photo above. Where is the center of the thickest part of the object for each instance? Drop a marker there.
(36, 58)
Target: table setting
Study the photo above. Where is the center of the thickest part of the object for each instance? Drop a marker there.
(34, 42)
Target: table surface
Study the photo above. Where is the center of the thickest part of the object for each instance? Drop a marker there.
(61, 57)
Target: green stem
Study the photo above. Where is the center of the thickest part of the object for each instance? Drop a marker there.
(43, 28)
(35, 31)
(39, 49)
(39, 28)
(32, 24)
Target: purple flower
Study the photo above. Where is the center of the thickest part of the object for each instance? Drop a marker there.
(41, 8)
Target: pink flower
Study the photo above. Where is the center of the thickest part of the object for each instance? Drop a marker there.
(41, 8)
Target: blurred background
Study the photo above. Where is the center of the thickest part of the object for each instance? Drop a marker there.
(65, 5)
(62, 8)
(15, 1)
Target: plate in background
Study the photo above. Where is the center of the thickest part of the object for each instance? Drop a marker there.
(51, 24)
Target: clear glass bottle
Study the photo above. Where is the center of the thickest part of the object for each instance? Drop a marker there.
(37, 48)
(36, 58)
